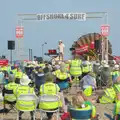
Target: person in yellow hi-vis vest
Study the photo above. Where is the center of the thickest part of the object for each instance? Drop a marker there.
(49, 88)
(24, 88)
(18, 75)
(11, 86)
(108, 96)
(86, 68)
(75, 67)
(63, 78)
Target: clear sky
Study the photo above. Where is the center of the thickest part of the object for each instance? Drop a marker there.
(36, 33)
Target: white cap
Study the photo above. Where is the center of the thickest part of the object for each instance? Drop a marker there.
(97, 64)
(104, 62)
(106, 65)
(116, 67)
(60, 40)
(24, 80)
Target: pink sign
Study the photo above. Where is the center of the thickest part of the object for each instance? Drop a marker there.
(105, 30)
(19, 32)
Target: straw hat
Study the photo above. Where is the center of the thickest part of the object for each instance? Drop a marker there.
(62, 67)
(11, 77)
(25, 80)
(49, 77)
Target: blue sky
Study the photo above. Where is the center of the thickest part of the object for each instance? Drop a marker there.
(36, 33)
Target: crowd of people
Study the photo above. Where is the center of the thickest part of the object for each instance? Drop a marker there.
(46, 78)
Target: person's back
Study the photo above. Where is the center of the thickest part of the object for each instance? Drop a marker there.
(49, 88)
(9, 88)
(75, 67)
(24, 89)
(89, 80)
(106, 76)
(39, 79)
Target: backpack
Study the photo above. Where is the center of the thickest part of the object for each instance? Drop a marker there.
(66, 116)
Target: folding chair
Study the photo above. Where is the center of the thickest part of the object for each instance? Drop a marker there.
(47, 99)
(8, 98)
(27, 98)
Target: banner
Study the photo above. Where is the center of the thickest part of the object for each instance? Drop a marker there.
(3, 62)
(62, 16)
(19, 32)
(105, 30)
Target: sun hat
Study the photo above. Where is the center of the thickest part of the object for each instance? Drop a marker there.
(49, 77)
(11, 77)
(25, 80)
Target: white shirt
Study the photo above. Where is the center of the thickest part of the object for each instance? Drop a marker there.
(61, 48)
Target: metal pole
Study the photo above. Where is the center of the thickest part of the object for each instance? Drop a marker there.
(11, 56)
(42, 51)
(102, 48)
(107, 57)
(31, 55)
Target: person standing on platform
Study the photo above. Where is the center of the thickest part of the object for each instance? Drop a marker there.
(61, 47)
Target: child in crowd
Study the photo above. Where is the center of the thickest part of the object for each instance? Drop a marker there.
(80, 101)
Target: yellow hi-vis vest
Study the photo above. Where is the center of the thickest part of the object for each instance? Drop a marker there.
(56, 72)
(4, 68)
(62, 76)
(49, 89)
(42, 65)
(18, 75)
(109, 96)
(85, 69)
(24, 105)
(88, 91)
(116, 88)
(117, 108)
(10, 86)
(75, 68)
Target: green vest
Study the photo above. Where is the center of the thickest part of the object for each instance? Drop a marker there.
(67, 67)
(11, 86)
(14, 71)
(49, 89)
(75, 68)
(24, 105)
(117, 108)
(8, 69)
(109, 96)
(116, 73)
